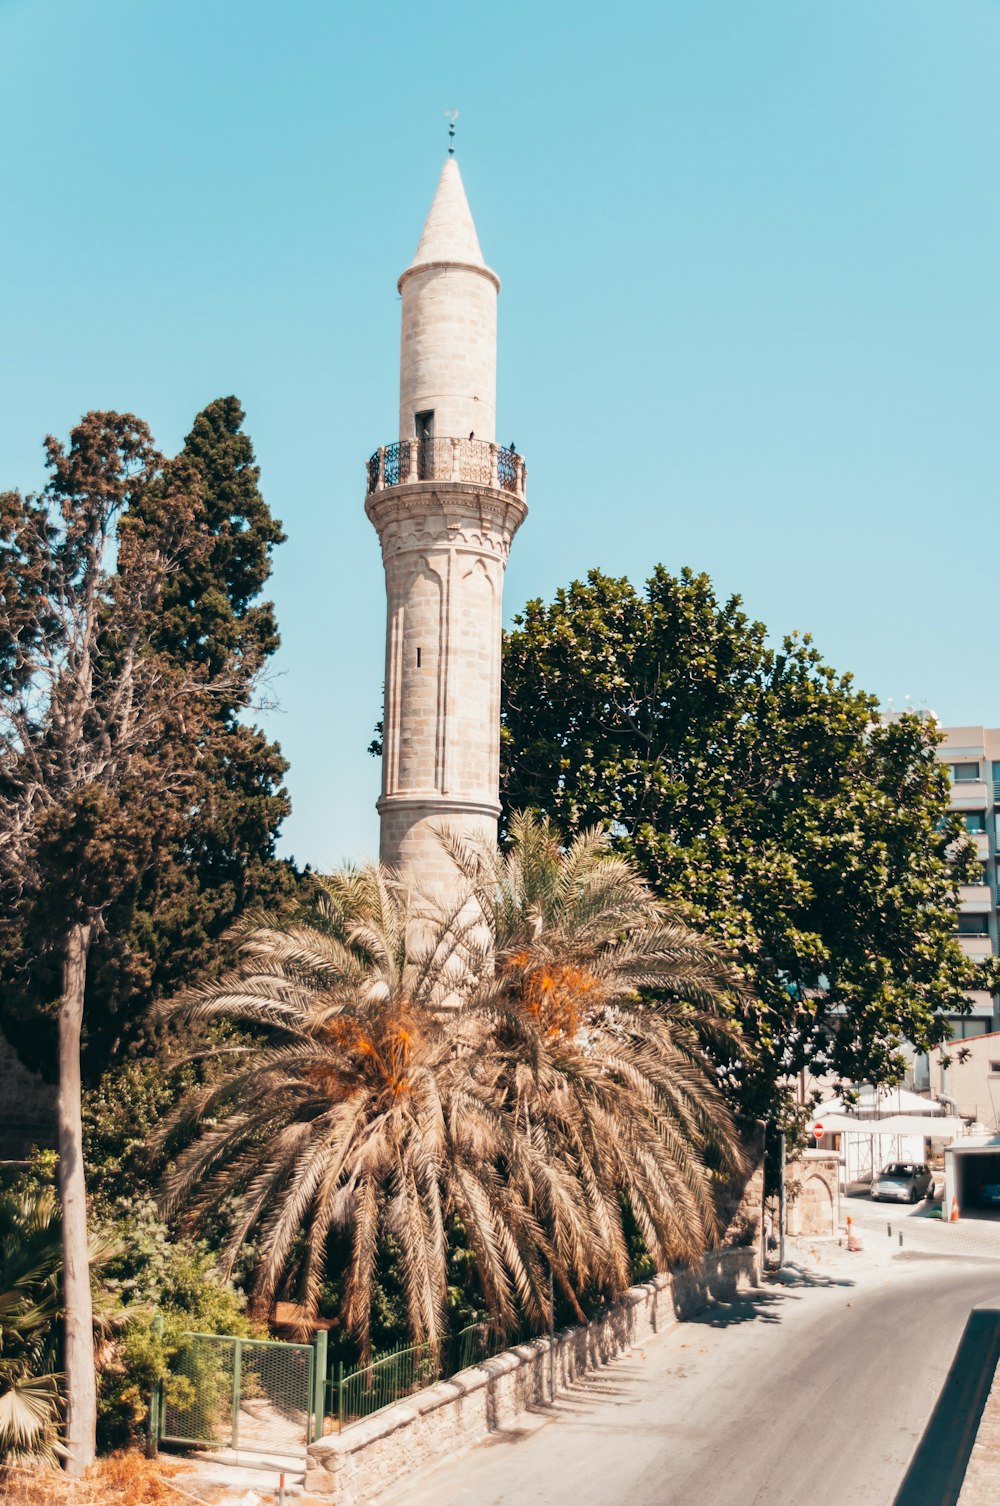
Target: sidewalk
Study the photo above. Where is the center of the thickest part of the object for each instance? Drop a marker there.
(981, 1486)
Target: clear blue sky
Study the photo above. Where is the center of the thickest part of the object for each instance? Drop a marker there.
(750, 317)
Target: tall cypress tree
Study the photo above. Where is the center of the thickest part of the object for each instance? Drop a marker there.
(166, 930)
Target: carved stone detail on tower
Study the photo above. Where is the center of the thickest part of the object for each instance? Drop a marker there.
(415, 518)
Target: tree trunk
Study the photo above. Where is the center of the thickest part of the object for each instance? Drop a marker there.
(81, 1379)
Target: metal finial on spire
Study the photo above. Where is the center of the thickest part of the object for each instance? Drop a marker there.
(451, 116)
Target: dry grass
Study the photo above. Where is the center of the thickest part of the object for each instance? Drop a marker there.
(118, 1480)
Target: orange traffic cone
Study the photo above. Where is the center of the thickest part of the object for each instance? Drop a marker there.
(953, 1216)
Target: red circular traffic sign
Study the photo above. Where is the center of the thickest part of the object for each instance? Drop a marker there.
(817, 1131)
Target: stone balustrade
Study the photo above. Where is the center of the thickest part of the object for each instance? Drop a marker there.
(410, 461)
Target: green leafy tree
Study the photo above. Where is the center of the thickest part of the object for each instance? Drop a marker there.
(763, 791)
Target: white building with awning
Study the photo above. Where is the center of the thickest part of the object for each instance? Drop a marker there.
(885, 1124)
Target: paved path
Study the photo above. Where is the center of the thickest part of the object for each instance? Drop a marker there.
(817, 1389)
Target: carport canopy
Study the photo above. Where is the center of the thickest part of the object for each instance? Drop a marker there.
(936, 1126)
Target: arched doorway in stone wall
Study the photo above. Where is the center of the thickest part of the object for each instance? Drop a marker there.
(816, 1212)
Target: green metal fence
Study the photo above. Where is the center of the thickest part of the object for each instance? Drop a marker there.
(254, 1395)
(262, 1396)
(390, 1377)
(481, 1341)
(385, 1380)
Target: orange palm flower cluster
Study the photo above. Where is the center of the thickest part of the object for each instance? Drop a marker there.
(381, 1056)
(557, 996)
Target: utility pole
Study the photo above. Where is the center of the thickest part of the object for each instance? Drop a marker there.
(552, 1334)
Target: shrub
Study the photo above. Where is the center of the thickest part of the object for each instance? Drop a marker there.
(164, 1289)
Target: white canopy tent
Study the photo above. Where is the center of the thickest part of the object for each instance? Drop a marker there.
(888, 1124)
(930, 1126)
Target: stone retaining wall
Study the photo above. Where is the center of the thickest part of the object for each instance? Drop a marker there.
(372, 1456)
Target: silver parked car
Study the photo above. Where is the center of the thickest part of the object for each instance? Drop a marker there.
(903, 1182)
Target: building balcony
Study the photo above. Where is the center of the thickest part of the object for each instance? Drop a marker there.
(411, 461)
(975, 899)
(970, 795)
(976, 946)
(980, 845)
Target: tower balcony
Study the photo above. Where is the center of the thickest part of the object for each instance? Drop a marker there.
(411, 461)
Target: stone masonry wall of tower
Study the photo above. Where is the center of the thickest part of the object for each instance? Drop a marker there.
(446, 501)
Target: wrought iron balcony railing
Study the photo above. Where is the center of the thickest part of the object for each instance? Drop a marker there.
(475, 460)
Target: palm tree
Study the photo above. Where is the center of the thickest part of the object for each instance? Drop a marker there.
(30, 1304)
(363, 1108)
(588, 909)
(601, 1002)
(353, 1117)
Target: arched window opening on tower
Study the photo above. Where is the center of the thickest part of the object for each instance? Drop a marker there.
(419, 652)
(423, 424)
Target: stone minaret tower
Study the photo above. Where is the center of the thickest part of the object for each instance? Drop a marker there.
(446, 500)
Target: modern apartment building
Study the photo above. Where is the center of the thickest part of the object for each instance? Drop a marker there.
(972, 757)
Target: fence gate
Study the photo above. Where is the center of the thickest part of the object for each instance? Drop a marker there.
(255, 1395)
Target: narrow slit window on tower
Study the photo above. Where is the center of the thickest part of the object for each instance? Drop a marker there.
(419, 652)
(423, 426)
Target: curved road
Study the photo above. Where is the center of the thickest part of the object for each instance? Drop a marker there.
(811, 1392)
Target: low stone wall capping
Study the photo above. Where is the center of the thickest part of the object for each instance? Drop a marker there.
(353, 1467)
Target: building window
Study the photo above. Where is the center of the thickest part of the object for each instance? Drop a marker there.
(973, 925)
(961, 773)
(974, 820)
(966, 1027)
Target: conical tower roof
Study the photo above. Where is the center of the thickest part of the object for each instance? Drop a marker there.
(449, 233)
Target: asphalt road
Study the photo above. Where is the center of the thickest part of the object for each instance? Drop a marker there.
(810, 1393)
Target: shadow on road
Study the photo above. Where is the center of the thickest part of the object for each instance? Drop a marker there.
(938, 1467)
(793, 1275)
(748, 1307)
(763, 1304)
